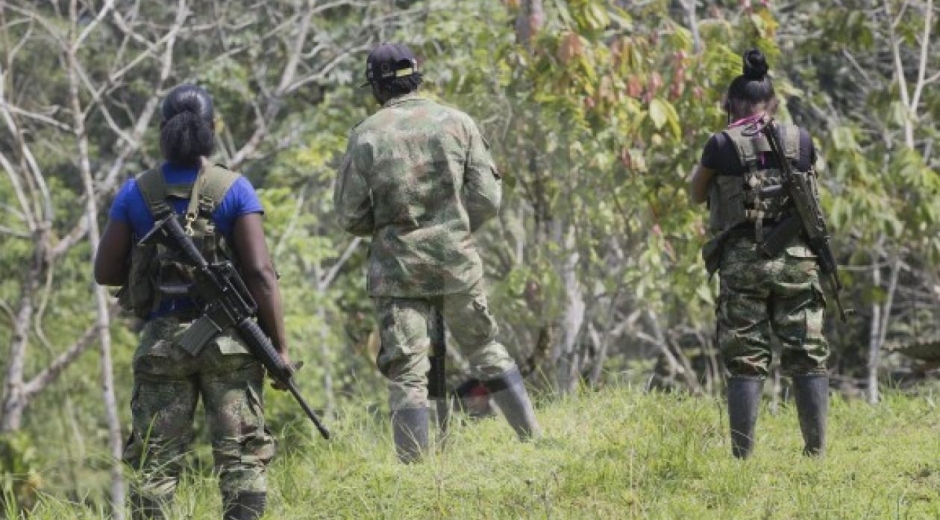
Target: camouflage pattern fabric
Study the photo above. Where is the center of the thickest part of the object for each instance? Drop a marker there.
(403, 357)
(167, 385)
(417, 177)
(761, 297)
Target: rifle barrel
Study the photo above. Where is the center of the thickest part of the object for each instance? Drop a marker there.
(303, 404)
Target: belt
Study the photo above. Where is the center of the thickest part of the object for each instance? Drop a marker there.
(746, 229)
(191, 314)
(182, 309)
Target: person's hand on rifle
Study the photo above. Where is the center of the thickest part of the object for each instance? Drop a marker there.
(294, 367)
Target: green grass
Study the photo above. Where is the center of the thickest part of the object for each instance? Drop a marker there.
(613, 454)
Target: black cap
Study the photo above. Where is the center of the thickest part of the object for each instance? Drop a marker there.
(390, 61)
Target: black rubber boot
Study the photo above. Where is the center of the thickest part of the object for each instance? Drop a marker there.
(410, 431)
(244, 506)
(146, 508)
(744, 395)
(811, 393)
(510, 395)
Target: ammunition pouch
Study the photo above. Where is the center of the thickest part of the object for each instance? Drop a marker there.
(139, 293)
(726, 203)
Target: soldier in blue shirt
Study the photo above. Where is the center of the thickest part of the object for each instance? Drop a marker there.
(224, 215)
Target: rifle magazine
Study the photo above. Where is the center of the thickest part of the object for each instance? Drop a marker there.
(198, 335)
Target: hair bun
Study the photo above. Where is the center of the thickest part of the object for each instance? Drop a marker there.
(755, 65)
(189, 99)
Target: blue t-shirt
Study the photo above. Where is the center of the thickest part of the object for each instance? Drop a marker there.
(129, 207)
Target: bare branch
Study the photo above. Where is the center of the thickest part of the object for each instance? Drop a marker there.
(18, 189)
(290, 69)
(51, 373)
(292, 223)
(932, 79)
(93, 24)
(324, 70)
(143, 121)
(899, 71)
(33, 166)
(324, 283)
(35, 116)
(858, 68)
(924, 56)
(13, 232)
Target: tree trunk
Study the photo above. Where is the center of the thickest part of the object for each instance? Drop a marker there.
(14, 402)
(881, 319)
(567, 355)
(874, 334)
(529, 22)
(103, 320)
(689, 6)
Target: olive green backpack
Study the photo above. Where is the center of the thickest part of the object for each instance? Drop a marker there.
(155, 273)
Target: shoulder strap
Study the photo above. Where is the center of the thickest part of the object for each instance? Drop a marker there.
(214, 185)
(748, 147)
(179, 191)
(744, 151)
(153, 188)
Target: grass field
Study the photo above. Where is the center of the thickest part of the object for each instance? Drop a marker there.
(618, 453)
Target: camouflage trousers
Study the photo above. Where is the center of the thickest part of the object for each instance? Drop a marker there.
(765, 297)
(405, 344)
(168, 382)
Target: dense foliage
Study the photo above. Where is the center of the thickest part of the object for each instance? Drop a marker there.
(596, 111)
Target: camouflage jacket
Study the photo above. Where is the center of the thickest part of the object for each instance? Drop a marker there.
(417, 177)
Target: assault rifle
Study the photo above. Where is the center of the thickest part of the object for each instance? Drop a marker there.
(225, 302)
(808, 219)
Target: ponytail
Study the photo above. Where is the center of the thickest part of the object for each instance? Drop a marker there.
(186, 132)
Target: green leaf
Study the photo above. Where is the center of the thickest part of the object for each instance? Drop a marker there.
(659, 114)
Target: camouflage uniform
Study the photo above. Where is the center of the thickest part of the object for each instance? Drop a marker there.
(764, 296)
(761, 297)
(169, 379)
(418, 178)
(168, 382)
(403, 358)
(420, 199)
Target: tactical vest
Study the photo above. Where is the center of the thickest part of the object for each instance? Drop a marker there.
(757, 196)
(155, 272)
